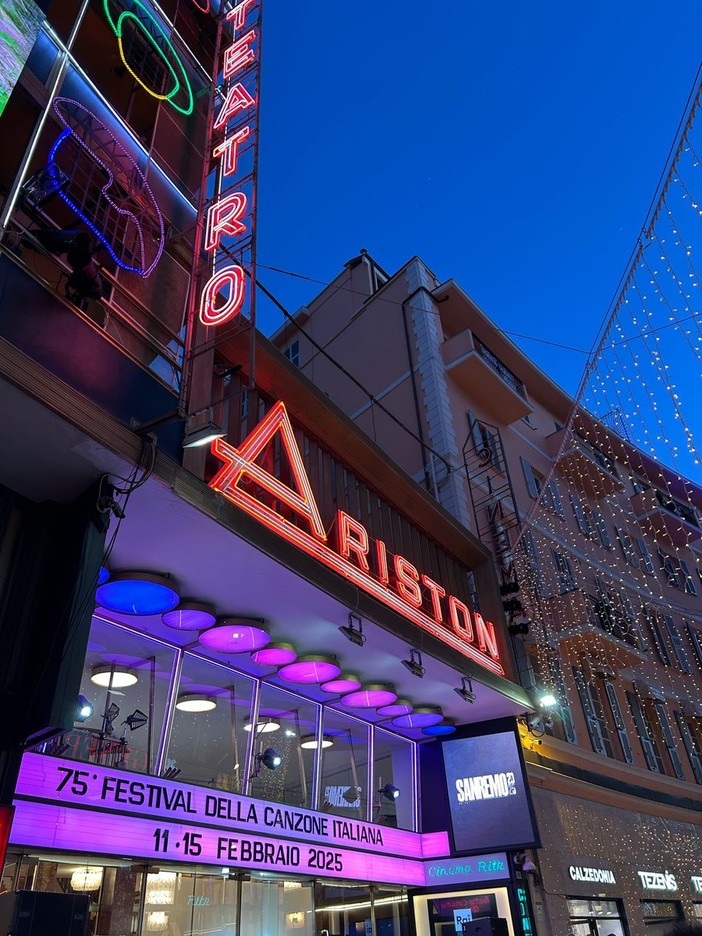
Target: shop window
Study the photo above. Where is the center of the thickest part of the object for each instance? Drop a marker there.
(660, 915)
(596, 917)
(209, 737)
(344, 766)
(126, 723)
(349, 909)
(393, 766)
(293, 738)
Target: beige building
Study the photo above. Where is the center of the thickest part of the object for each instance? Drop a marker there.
(597, 547)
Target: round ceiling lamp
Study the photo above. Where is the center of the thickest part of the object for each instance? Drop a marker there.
(423, 716)
(86, 880)
(398, 707)
(113, 676)
(235, 635)
(103, 575)
(190, 615)
(310, 669)
(309, 742)
(446, 727)
(371, 695)
(141, 593)
(196, 702)
(344, 682)
(276, 653)
(263, 727)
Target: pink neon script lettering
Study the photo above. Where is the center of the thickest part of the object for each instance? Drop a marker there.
(223, 219)
(229, 150)
(231, 280)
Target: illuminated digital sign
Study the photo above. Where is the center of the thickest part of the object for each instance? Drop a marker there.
(366, 562)
(229, 232)
(487, 792)
(67, 805)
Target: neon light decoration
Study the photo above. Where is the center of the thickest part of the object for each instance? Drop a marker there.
(355, 555)
(126, 198)
(229, 222)
(140, 19)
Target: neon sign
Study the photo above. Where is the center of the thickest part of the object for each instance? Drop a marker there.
(131, 217)
(364, 561)
(141, 20)
(230, 219)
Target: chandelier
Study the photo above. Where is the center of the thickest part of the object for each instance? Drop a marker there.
(85, 880)
(160, 888)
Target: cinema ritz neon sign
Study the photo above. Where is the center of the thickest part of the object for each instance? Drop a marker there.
(350, 551)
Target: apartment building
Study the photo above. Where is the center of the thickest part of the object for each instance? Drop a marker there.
(597, 547)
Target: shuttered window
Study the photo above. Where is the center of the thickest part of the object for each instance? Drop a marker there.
(622, 733)
(669, 740)
(647, 744)
(693, 753)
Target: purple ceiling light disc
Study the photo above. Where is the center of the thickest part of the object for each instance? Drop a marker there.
(310, 669)
(190, 615)
(275, 654)
(446, 727)
(423, 716)
(235, 635)
(371, 696)
(399, 707)
(141, 593)
(345, 682)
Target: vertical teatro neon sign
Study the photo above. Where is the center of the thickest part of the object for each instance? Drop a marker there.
(229, 226)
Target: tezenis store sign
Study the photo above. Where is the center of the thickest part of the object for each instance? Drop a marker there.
(353, 553)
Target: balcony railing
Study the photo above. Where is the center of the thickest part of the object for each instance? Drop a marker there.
(496, 364)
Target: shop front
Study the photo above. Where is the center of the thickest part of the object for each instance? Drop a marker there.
(267, 661)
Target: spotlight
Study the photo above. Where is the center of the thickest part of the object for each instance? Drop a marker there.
(203, 435)
(136, 720)
(465, 691)
(389, 792)
(414, 664)
(548, 700)
(85, 709)
(270, 758)
(354, 633)
(519, 625)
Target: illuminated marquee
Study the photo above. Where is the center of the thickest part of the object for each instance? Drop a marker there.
(230, 219)
(364, 561)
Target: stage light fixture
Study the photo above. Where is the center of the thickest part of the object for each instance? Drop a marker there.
(203, 435)
(414, 664)
(465, 691)
(353, 631)
(270, 758)
(85, 709)
(389, 792)
(136, 720)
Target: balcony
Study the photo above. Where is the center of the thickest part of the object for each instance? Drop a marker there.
(660, 514)
(586, 467)
(477, 371)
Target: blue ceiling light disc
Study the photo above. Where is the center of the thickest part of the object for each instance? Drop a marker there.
(140, 593)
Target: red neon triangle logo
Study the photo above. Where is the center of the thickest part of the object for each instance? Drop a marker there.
(240, 465)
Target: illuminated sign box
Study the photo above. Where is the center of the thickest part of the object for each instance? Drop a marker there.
(488, 793)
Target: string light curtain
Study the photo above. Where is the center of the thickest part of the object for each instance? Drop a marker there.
(609, 555)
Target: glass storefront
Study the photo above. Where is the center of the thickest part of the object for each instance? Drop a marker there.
(127, 898)
(596, 917)
(660, 915)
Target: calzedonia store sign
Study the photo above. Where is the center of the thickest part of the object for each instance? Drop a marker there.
(351, 552)
(68, 807)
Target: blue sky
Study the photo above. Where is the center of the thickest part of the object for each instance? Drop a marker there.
(514, 146)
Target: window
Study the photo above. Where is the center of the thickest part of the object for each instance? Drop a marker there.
(656, 635)
(646, 560)
(677, 573)
(564, 571)
(486, 442)
(677, 644)
(696, 641)
(613, 612)
(292, 352)
(533, 565)
(602, 530)
(622, 733)
(548, 494)
(627, 545)
(648, 745)
(694, 755)
(581, 518)
(668, 739)
(637, 485)
(594, 715)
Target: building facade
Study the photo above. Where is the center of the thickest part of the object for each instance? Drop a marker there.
(597, 547)
(263, 687)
